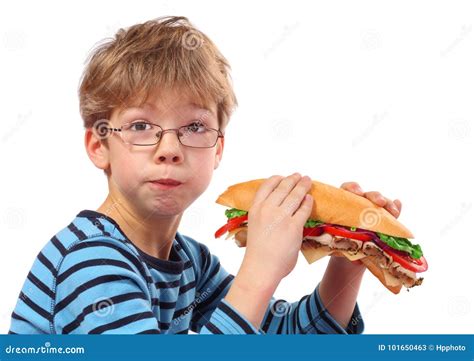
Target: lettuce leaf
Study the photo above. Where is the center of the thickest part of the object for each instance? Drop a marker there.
(402, 244)
(234, 212)
(311, 223)
(398, 243)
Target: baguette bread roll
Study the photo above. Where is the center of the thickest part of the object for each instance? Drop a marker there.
(330, 205)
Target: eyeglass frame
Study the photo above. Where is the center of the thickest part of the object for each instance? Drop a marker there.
(163, 131)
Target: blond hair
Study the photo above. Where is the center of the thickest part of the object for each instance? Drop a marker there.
(163, 53)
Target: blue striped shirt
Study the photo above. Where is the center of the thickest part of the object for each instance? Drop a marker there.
(90, 278)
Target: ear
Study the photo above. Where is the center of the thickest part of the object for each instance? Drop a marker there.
(219, 152)
(97, 149)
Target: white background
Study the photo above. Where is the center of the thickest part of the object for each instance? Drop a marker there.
(372, 91)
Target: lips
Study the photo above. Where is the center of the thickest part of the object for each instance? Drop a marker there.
(168, 181)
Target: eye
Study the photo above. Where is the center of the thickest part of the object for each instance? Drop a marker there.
(196, 127)
(140, 126)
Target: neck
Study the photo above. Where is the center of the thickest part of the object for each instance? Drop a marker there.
(152, 235)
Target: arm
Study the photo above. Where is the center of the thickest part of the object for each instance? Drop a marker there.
(341, 281)
(339, 288)
(244, 304)
(216, 311)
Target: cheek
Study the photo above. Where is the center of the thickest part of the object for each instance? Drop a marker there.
(126, 170)
(202, 169)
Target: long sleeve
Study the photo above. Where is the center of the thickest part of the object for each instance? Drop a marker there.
(101, 289)
(308, 315)
(215, 315)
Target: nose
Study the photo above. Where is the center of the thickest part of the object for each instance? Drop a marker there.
(169, 149)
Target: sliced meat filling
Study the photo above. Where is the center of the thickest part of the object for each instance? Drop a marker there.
(407, 277)
(323, 240)
(381, 258)
(346, 244)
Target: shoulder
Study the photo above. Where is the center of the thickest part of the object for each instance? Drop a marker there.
(87, 246)
(198, 252)
(207, 264)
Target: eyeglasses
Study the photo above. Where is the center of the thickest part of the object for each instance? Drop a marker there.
(194, 135)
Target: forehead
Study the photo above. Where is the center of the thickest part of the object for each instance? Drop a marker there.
(162, 103)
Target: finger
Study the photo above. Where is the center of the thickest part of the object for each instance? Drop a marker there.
(304, 211)
(398, 203)
(353, 187)
(280, 193)
(376, 197)
(266, 188)
(294, 199)
(392, 208)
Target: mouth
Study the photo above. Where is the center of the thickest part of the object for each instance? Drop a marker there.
(166, 183)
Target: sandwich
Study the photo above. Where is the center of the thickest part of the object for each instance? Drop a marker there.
(341, 224)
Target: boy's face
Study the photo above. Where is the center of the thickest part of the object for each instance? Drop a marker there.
(131, 167)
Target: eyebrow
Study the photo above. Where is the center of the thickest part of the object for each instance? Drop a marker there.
(133, 109)
(206, 116)
(194, 107)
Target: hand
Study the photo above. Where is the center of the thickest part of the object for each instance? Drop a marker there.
(394, 207)
(275, 226)
(375, 197)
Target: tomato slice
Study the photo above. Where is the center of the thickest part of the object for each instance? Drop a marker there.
(342, 232)
(230, 225)
(411, 264)
(313, 231)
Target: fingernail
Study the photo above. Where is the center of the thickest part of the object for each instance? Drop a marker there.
(394, 208)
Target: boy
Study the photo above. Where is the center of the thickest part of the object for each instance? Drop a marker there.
(125, 268)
